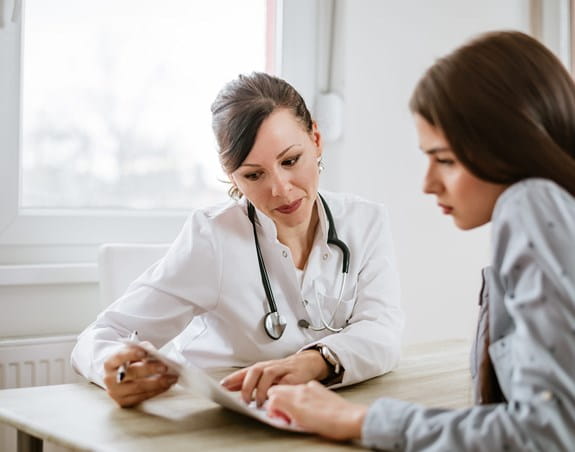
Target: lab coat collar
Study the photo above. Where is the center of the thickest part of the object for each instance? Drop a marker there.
(268, 229)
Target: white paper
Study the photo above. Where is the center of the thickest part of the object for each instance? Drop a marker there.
(197, 381)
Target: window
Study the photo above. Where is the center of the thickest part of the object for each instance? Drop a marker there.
(104, 121)
(116, 97)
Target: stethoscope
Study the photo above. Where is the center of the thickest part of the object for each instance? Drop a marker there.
(274, 322)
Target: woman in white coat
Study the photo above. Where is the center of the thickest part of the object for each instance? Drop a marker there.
(290, 285)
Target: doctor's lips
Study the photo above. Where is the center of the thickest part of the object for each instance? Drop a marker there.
(289, 208)
(446, 209)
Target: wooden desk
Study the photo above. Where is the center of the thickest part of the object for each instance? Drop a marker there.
(82, 417)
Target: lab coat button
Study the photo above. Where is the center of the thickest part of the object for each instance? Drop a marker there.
(305, 302)
(284, 253)
(325, 256)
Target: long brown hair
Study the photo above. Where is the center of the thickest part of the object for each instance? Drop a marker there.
(240, 108)
(506, 105)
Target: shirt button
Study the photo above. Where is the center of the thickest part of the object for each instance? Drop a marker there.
(325, 256)
(284, 253)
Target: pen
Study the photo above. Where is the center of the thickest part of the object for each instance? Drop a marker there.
(121, 373)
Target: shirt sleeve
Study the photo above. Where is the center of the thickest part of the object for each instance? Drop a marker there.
(370, 344)
(160, 303)
(534, 252)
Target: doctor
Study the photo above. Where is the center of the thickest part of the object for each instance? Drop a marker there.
(288, 284)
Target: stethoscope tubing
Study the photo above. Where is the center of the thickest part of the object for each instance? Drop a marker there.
(262, 265)
(274, 323)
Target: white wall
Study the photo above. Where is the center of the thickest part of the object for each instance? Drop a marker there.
(387, 46)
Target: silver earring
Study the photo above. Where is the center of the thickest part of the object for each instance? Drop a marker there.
(320, 164)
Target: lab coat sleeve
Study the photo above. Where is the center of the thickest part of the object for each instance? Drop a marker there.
(370, 343)
(160, 303)
(534, 260)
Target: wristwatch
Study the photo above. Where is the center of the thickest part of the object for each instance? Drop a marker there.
(335, 368)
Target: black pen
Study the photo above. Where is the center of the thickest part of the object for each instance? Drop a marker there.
(121, 373)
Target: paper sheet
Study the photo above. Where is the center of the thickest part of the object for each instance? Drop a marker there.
(197, 381)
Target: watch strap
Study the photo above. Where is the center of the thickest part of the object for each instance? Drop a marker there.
(335, 368)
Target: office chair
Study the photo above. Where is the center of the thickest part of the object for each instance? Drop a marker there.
(120, 263)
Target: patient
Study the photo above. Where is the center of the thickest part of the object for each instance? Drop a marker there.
(496, 123)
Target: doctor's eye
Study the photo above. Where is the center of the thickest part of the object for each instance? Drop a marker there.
(291, 161)
(252, 176)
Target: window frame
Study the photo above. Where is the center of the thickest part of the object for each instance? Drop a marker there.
(296, 36)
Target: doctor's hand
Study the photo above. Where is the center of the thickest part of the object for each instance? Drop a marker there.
(144, 377)
(317, 410)
(295, 369)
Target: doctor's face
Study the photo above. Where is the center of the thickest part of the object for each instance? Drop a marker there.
(468, 199)
(280, 175)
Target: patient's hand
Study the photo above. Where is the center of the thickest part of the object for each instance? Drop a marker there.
(317, 410)
(295, 369)
(144, 377)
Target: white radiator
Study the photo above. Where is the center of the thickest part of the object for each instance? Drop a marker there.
(34, 361)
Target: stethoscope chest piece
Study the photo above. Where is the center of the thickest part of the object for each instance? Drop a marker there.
(274, 324)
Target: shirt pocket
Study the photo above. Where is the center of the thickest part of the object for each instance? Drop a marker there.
(336, 314)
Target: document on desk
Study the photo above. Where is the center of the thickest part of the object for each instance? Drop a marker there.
(197, 381)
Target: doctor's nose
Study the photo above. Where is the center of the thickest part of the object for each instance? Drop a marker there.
(280, 185)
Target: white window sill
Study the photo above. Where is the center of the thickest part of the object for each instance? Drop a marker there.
(25, 275)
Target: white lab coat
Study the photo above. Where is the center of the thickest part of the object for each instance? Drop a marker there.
(208, 288)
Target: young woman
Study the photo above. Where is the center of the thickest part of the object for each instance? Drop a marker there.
(295, 285)
(496, 121)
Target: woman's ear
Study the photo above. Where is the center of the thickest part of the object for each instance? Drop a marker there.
(317, 140)
(232, 179)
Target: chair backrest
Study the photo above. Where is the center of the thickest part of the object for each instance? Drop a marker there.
(120, 263)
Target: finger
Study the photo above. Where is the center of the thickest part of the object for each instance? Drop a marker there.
(280, 415)
(251, 379)
(136, 377)
(282, 391)
(144, 369)
(268, 377)
(133, 399)
(124, 355)
(233, 382)
(134, 371)
(129, 393)
(279, 402)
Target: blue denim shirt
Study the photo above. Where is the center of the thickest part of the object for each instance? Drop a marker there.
(531, 291)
